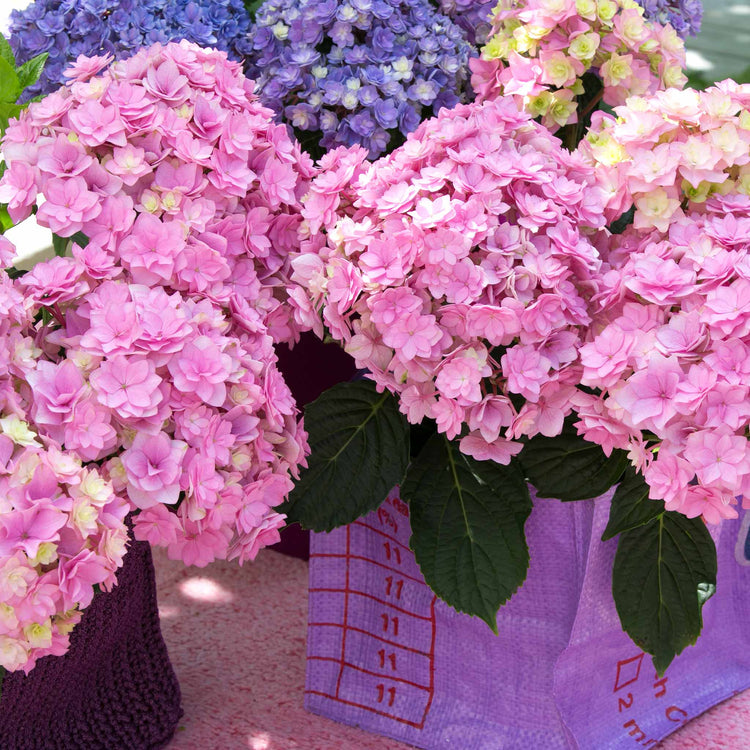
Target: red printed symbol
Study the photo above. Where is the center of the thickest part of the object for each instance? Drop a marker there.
(674, 710)
(390, 622)
(626, 702)
(637, 733)
(396, 588)
(660, 686)
(382, 691)
(392, 552)
(628, 672)
(400, 506)
(386, 519)
(390, 657)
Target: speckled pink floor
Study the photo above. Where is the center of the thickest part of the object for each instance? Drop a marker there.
(236, 637)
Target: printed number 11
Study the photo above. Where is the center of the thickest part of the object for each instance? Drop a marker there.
(391, 658)
(391, 588)
(390, 621)
(392, 552)
(382, 691)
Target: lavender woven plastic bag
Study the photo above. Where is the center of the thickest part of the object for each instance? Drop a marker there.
(114, 689)
(385, 655)
(630, 705)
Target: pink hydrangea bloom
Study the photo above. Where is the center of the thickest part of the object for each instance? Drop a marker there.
(201, 368)
(470, 257)
(69, 205)
(674, 148)
(670, 355)
(85, 67)
(56, 281)
(58, 522)
(128, 386)
(153, 351)
(264, 534)
(153, 467)
(157, 525)
(538, 53)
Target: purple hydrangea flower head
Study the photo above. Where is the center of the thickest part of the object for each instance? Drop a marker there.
(66, 29)
(473, 16)
(683, 15)
(366, 72)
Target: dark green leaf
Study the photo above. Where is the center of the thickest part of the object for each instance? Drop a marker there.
(664, 572)
(359, 445)
(29, 72)
(568, 467)
(468, 521)
(6, 52)
(59, 244)
(10, 88)
(419, 434)
(80, 239)
(619, 225)
(631, 505)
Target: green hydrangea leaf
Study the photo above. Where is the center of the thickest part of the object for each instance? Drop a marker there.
(664, 572)
(10, 87)
(567, 467)
(359, 445)
(468, 522)
(29, 72)
(631, 505)
(6, 52)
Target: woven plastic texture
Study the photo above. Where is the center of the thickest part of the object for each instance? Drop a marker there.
(115, 689)
(385, 655)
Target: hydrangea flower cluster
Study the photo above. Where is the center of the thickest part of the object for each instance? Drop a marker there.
(673, 149)
(159, 337)
(360, 72)
(62, 532)
(473, 16)
(671, 355)
(62, 527)
(68, 28)
(542, 52)
(458, 271)
(684, 16)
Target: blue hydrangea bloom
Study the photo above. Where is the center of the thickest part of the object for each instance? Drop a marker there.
(473, 16)
(367, 72)
(68, 28)
(684, 15)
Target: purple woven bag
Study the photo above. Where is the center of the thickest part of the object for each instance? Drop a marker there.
(385, 655)
(114, 689)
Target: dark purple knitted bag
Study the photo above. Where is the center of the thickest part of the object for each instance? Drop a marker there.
(115, 689)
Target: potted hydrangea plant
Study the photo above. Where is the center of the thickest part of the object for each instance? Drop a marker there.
(478, 295)
(141, 377)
